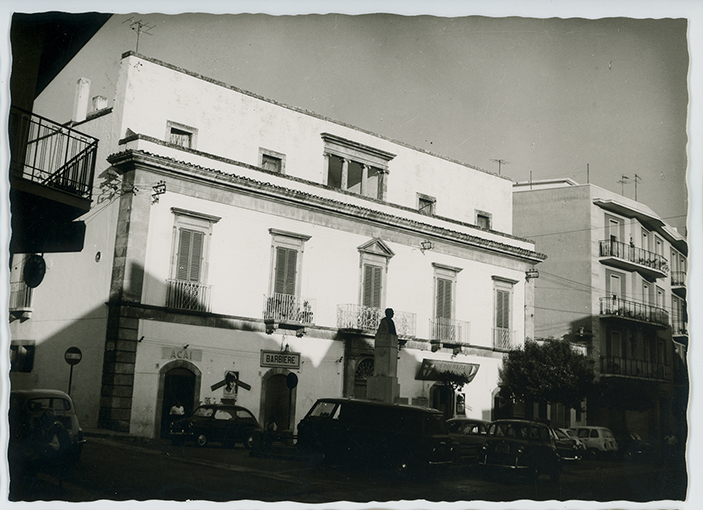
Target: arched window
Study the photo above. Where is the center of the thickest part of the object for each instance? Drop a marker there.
(364, 369)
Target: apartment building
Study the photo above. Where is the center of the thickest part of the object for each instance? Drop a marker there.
(239, 249)
(614, 284)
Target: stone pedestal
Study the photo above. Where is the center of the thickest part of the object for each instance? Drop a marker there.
(383, 385)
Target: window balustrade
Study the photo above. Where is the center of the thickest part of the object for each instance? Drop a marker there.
(640, 256)
(614, 365)
(367, 319)
(633, 310)
(185, 295)
(289, 308)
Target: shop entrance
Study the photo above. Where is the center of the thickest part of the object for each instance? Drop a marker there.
(278, 401)
(179, 386)
(443, 399)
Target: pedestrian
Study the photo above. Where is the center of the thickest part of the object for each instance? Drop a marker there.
(271, 431)
(176, 411)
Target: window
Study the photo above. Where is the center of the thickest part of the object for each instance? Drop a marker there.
(444, 292)
(355, 167)
(272, 161)
(645, 240)
(287, 258)
(373, 278)
(22, 355)
(186, 287)
(20, 304)
(614, 347)
(614, 286)
(483, 219)
(375, 256)
(181, 135)
(426, 204)
(502, 312)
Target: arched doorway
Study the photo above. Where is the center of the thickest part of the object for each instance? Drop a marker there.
(442, 397)
(278, 400)
(179, 382)
(364, 370)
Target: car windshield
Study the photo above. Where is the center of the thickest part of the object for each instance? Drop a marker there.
(560, 434)
(324, 410)
(205, 412)
(435, 424)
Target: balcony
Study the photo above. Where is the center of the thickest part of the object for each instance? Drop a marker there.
(20, 303)
(504, 339)
(365, 319)
(631, 310)
(51, 179)
(629, 258)
(612, 365)
(678, 283)
(679, 327)
(289, 309)
(450, 332)
(190, 296)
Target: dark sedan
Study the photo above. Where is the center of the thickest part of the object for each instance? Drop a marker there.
(469, 433)
(225, 424)
(569, 448)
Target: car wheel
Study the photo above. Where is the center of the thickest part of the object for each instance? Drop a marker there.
(201, 439)
(249, 441)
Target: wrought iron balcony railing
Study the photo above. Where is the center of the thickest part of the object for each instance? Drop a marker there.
(289, 308)
(20, 297)
(50, 154)
(184, 295)
(678, 327)
(634, 255)
(504, 339)
(632, 310)
(678, 278)
(449, 331)
(613, 365)
(367, 319)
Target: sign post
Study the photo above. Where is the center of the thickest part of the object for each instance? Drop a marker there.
(73, 356)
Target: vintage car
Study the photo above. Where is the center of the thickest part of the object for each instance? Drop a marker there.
(599, 441)
(568, 447)
(469, 434)
(520, 447)
(631, 446)
(403, 438)
(224, 424)
(44, 430)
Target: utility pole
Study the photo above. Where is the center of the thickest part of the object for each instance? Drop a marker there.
(637, 179)
(500, 163)
(623, 180)
(140, 27)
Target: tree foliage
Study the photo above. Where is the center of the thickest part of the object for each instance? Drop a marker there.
(546, 371)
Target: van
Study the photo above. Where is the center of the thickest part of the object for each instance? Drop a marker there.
(401, 437)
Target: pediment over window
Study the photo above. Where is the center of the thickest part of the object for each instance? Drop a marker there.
(376, 246)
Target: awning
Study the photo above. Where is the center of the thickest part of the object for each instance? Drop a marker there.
(437, 370)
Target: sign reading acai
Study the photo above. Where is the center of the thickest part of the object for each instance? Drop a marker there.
(178, 353)
(280, 359)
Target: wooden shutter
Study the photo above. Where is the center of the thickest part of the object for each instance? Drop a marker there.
(444, 299)
(286, 268)
(372, 286)
(502, 309)
(190, 254)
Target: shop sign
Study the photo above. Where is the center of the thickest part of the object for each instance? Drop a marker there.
(280, 359)
(434, 369)
(186, 354)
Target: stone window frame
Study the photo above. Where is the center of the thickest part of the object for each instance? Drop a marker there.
(193, 132)
(430, 201)
(275, 155)
(478, 213)
(291, 241)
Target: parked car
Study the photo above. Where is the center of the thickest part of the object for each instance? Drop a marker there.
(631, 446)
(226, 424)
(569, 448)
(599, 441)
(520, 447)
(400, 437)
(469, 434)
(44, 430)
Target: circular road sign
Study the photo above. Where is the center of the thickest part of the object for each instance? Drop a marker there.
(291, 380)
(34, 271)
(73, 355)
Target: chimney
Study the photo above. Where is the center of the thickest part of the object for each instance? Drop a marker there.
(80, 103)
(99, 103)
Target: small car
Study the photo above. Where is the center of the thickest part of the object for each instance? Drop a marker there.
(599, 441)
(225, 424)
(631, 446)
(44, 430)
(569, 448)
(469, 434)
(520, 447)
(402, 438)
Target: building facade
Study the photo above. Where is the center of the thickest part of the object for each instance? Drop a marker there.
(243, 250)
(614, 284)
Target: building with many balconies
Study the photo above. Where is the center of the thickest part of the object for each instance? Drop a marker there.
(614, 283)
(241, 249)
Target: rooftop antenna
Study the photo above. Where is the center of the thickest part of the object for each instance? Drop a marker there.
(637, 179)
(140, 27)
(500, 163)
(588, 173)
(623, 180)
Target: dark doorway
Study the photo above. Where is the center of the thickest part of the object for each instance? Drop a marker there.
(443, 399)
(179, 386)
(276, 402)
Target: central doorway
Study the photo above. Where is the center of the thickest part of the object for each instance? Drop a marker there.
(443, 399)
(179, 386)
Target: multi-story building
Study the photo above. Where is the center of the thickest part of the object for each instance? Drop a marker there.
(614, 283)
(241, 249)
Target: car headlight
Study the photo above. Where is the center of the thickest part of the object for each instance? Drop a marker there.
(521, 449)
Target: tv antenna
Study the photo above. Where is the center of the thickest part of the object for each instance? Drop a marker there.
(140, 27)
(500, 162)
(623, 180)
(637, 179)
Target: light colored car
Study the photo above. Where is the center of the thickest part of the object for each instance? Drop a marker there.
(599, 441)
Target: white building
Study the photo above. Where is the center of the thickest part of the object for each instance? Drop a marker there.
(235, 238)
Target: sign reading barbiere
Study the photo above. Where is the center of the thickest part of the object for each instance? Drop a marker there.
(279, 359)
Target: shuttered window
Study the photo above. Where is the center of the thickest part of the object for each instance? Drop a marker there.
(502, 309)
(372, 286)
(444, 299)
(190, 255)
(286, 268)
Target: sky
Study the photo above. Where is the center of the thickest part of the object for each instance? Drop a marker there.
(587, 99)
